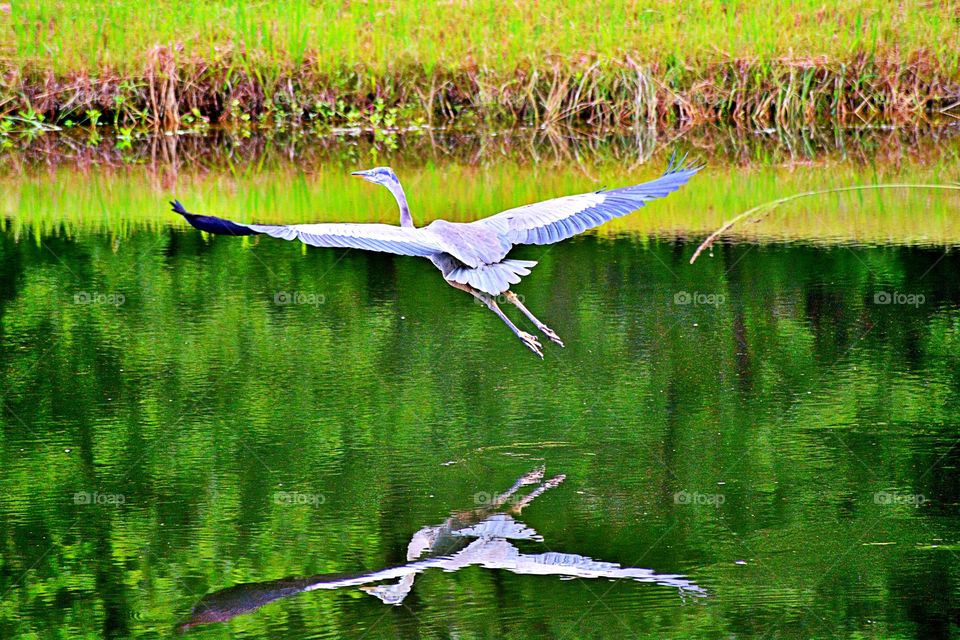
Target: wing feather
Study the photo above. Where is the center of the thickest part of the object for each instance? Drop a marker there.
(386, 238)
(555, 220)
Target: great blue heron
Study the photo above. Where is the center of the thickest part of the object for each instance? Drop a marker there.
(472, 256)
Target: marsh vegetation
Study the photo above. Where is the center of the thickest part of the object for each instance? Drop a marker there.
(390, 63)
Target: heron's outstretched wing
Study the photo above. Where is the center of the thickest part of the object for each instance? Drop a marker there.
(372, 237)
(554, 220)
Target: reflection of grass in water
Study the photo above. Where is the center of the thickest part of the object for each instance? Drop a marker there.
(121, 201)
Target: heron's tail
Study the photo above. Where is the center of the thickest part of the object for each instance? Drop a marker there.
(492, 278)
(212, 224)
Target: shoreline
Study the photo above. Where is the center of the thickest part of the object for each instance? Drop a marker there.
(610, 93)
(224, 147)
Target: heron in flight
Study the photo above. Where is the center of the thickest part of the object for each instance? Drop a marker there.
(472, 256)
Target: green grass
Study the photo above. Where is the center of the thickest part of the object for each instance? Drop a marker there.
(605, 63)
(88, 37)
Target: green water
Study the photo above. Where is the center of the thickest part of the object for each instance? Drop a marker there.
(778, 424)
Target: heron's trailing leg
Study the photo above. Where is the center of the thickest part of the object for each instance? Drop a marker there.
(544, 329)
(536, 493)
(533, 477)
(527, 339)
(530, 340)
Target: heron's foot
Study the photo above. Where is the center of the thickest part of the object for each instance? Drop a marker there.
(533, 477)
(550, 333)
(554, 481)
(531, 342)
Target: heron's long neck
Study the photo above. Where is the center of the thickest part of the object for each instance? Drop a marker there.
(406, 220)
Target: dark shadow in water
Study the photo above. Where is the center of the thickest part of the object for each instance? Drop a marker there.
(481, 537)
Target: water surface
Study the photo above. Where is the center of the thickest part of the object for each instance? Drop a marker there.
(774, 427)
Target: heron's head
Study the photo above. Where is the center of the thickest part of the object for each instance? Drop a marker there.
(391, 593)
(386, 177)
(378, 175)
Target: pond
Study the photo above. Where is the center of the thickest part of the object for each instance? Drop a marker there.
(245, 438)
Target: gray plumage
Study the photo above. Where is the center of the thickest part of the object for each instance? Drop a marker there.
(473, 255)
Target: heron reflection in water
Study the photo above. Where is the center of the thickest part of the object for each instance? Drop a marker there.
(480, 537)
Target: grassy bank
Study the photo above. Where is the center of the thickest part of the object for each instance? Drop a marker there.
(399, 63)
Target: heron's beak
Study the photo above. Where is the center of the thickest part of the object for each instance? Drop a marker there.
(361, 174)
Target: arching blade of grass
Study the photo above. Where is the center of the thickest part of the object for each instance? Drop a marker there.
(767, 208)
